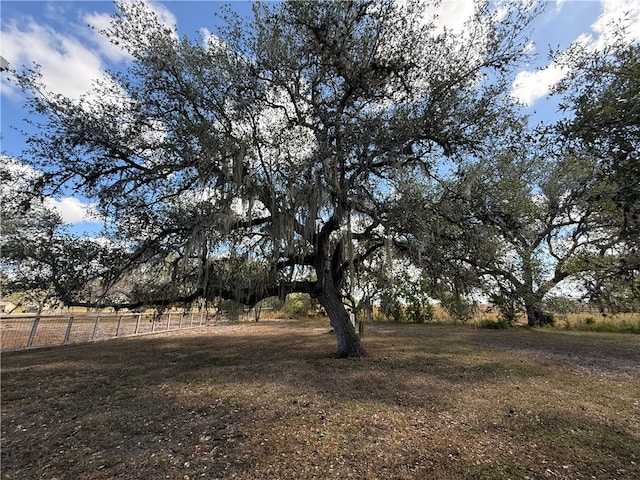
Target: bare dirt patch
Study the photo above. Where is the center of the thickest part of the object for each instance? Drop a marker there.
(268, 400)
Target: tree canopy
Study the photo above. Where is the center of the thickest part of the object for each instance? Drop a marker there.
(314, 145)
(280, 143)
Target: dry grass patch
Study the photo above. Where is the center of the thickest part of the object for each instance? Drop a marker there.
(268, 400)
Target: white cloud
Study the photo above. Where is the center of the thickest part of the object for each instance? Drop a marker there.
(617, 15)
(99, 23)
(449, 14)
(16, 177)
(19, 177)
(72, 57)
(531, 86)
(559, 4)
(165, 16)
(529, 48)
(67, 65)
(159, 13)
(73, 210)
(454, 13)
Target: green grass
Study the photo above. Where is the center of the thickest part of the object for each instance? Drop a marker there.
(624, 326)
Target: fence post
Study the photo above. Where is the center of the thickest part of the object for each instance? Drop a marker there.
(118, 326)
(32, 334)
(191, 320)
(138, 323)
(168, 320)
(95, 328)
(67, 334)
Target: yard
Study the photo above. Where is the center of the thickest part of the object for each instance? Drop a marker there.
(268, 400)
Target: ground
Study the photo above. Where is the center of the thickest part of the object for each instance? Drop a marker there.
(268, 401)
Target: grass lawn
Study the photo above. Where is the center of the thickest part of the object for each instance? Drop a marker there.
(269, 401)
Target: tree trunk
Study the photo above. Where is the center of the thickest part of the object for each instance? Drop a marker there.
(536, 317)
(348, 339)
(328, 263)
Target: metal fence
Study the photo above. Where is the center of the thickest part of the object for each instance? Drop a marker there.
(22, 332)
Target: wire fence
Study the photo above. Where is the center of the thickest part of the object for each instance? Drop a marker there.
(23, 332)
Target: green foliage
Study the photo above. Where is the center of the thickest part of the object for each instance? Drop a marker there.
(611, 326)
(232, 309)
(297, 304)
(335, 138)
(602, 92)
(391, 306)
(601, 97)
(407, 300)
(426, 313)
(613, 281)
(459, 308)
(41, 262)
(493, 324)
(274, 303)
(508, 305)
(418, 308)
(548, 319)
(562, 307)
(276, 133)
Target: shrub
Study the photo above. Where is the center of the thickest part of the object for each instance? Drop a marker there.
(493, 324)
(297, 304)
(508, 305)
(232, 309)
(421, 312)
(548, 319)
(459, 308)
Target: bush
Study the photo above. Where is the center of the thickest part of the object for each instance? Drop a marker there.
(232, 309)
(499, 324)
(421, 312)
(459, 308)
(548, 319)
(508, 305)
(391, 307)
(297, 304)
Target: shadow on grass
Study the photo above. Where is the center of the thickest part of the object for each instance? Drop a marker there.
(270, 402)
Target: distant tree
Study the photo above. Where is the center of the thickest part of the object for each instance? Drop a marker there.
(601, 98)
(544, 206)
(280, 142)
(512, 224)
(405, 295)
(562, 306)
(530, 204)
(458, 306)
(43, 263)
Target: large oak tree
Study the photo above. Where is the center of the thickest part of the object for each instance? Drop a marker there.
(266, 159)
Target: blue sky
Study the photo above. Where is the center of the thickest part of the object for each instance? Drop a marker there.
(57, 36)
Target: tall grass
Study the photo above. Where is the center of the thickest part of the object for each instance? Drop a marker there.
(614, 325)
